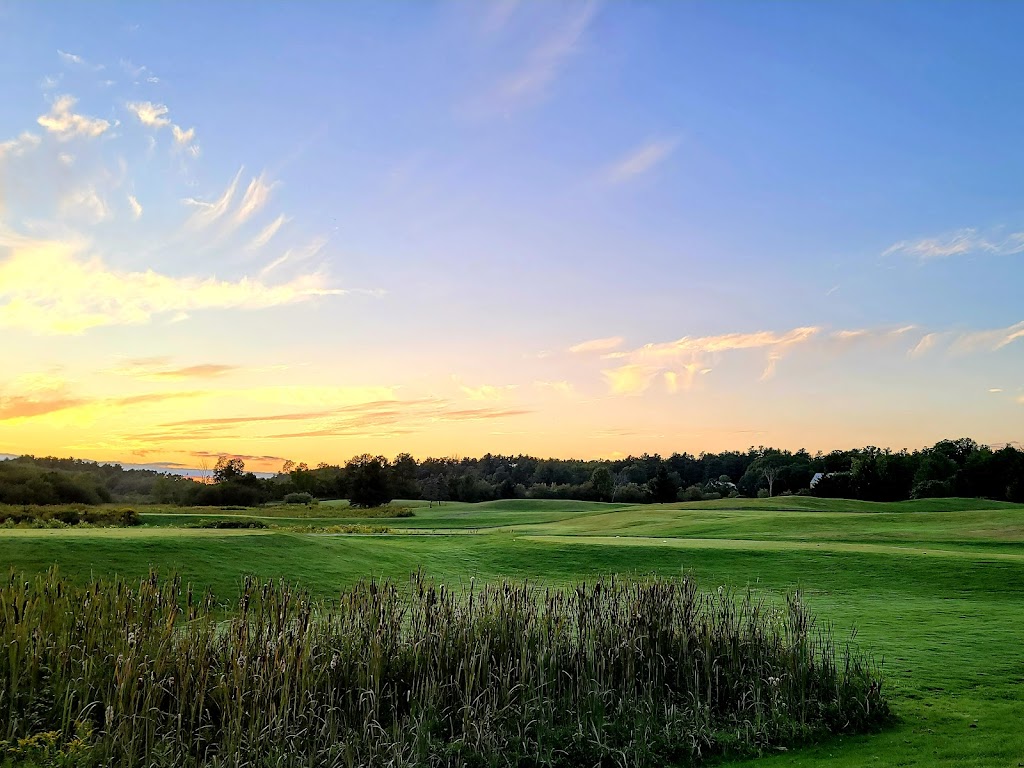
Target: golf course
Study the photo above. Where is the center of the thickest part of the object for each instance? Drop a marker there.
(932, 589)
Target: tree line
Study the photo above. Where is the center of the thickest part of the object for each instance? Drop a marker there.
(959, 467)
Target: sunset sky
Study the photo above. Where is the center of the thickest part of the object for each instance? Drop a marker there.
(311, 230)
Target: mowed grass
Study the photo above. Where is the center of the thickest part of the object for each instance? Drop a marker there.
(935, 588)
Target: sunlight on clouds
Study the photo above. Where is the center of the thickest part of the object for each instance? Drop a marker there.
(47, 287)
(154, 115)
(136, 207)
(183, 139)
(66, 125)
(679, 362)
(598, 345)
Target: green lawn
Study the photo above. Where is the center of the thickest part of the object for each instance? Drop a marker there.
(935, 588)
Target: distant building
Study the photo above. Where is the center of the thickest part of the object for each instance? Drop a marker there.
(817, 478)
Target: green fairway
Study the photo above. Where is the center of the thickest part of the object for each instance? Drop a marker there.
(936, 588)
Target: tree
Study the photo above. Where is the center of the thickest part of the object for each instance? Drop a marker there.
(769, 472)
(368, 481)
(403, 477)
(435, 489)
(228, 469)
(603, 482)
(663, 488)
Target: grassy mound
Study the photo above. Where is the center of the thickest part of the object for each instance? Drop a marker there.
(387, 674)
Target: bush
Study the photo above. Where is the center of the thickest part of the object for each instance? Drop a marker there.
(693, 493)
(931, 489)
(298, 498)
(387, 510)
(229, 524)
(64, 516)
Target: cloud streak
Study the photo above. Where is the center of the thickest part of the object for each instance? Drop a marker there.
(640, 160)
(606, 344)
(963, 242)
(544, 62)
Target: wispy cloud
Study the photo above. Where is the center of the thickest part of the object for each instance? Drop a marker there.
(267, 233)
(70, 58)
(380, 417)
(18, 146)
(989, 340)
(156, 116)
(50, 288)
(85, 204)
(148, 113)
(138, 72)
(295, 255)
(66, 125)
(184, 139)
(640, 160)
(160, 369)
(255, 197)
(31, 405)
(544, 62)
(209, 212)
(136, 207)
(962, 242)
(606, 344)
(679, 362)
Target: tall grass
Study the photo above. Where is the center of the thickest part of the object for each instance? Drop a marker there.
(389, 674)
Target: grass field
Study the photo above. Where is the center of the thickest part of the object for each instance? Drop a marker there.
(935, 588)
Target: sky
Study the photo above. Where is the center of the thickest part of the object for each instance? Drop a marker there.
(578, 229)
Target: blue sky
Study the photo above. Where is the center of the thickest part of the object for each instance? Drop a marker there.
(387, 226)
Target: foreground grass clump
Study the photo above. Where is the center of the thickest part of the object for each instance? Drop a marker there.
(387, 674)
(61, 516)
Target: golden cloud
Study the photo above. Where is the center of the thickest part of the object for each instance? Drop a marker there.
(49, 288)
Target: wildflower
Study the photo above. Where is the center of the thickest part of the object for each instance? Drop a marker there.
(334, 662)
(109, 716)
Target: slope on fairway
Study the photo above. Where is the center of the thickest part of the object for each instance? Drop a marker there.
(935, 588)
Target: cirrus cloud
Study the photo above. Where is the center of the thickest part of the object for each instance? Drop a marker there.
(53, 288)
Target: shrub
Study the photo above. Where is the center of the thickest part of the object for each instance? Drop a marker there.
(931, 489)
(70, 515)
(229, 524)
(693, 493)
(387, 510)
(298, 498)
